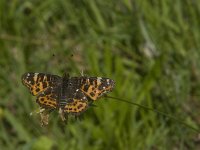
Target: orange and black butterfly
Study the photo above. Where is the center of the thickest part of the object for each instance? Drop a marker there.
(69, 95)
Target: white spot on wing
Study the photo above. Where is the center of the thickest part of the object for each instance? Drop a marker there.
(35, 76)
(99, 80)
(108, 81)
(44, 78)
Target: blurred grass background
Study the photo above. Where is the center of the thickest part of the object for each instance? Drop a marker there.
(150, 48)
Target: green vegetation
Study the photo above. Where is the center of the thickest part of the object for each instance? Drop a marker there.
(150, 48)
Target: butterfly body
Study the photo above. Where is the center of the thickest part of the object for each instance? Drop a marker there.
(69, 95)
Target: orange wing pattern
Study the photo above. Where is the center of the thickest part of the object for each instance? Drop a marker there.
(44, 86)
(48, 98)
(38, 82)
(77, 104)
(94, 87)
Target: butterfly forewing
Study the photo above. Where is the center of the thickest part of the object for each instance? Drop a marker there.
(38, 82)
(95, 87)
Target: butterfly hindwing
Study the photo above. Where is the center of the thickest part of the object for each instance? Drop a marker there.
(48, 98)
(38, 82)
(95, 87)
(77, 104)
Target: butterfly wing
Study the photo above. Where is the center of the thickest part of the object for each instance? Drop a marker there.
(45, 86)
(48, 98)
(95, 87)
(77, 104)
(38, 82)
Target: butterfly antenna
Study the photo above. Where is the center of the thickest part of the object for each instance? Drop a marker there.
(154, 110)
(66, 75)
(37, 111)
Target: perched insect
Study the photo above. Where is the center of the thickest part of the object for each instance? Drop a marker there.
(69, 95)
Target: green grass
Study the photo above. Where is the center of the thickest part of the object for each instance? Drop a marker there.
(150, 48)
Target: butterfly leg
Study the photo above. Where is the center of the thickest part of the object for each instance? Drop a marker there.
(62, 114)
(44, 116)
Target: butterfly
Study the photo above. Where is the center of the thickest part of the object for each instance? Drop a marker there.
(69, 95)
